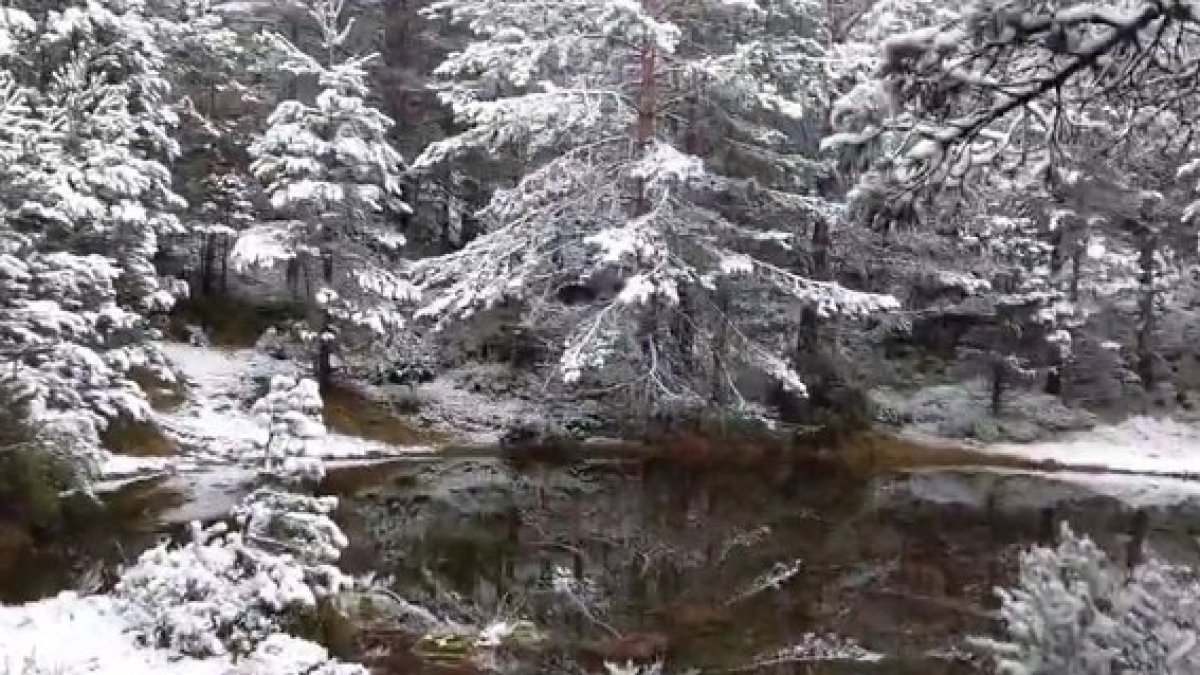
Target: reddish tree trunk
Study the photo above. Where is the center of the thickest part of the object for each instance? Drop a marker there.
(647, 103)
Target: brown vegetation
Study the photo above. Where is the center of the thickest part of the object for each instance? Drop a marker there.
(228, 322)
(164, 396)
(353, 413)
(137, 438)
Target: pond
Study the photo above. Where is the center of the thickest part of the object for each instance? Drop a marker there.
(722, 567)
(716, 566)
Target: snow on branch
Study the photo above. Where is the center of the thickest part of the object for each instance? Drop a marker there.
(1004, 84)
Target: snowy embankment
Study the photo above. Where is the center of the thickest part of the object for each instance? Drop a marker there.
(72, 635)
(1139, 445)
(220, 437)
(1142, 462)
(225, 590)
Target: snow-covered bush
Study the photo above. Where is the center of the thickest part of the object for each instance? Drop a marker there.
(227, 591)
(213, 595)
(1074, 611)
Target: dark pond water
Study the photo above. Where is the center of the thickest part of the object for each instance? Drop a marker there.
(716, 567)
(84, 550)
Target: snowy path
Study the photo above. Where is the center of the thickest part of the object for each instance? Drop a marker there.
(219, 435)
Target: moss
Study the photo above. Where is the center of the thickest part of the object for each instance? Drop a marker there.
(137, 438)
(229, 322)
(31, 482)
(444, 646)
(354, 414)
(15, 544)
(163, 395)
(328, 627)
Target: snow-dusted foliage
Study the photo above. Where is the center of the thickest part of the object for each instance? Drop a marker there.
(222, 592)
(1074, 611)
(292, 411)
(233, 591)
(105, 129)
(985, 87)
(85, 196)
(618, 208)
(212, 595)
(68, 346)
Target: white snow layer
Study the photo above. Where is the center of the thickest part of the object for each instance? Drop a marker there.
(216, 427)
(1142, 445)
(69, 634)
(77, 635)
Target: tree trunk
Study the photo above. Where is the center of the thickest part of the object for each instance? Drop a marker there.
(207, 259)
(1076, 269)
(647, 104)
(225, 248)
(682, 328)
(1054, 379)
(719, 345)
(822, 241)
(997, 386)
(1145, 335)
(324, 365)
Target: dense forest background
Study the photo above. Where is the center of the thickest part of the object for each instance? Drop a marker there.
(791, 209)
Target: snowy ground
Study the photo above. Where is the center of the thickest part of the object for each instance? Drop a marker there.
(1140, 445)
(219, 434)
(69, 634)
(1142, 462)
(78, 635)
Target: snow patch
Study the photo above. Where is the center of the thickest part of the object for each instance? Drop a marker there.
(1142, 445)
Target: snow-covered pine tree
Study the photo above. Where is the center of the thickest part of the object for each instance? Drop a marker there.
(68, 177)
(1074, 611)
(292, 411)
(328, 165)
(612, 237)
(103, 182)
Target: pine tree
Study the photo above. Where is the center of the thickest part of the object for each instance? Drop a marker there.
(71, 187)
(104, 109)
(1074, 611)
(607, 104)
(329, 166)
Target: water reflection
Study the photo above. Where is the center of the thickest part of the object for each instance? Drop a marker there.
(711, 566)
